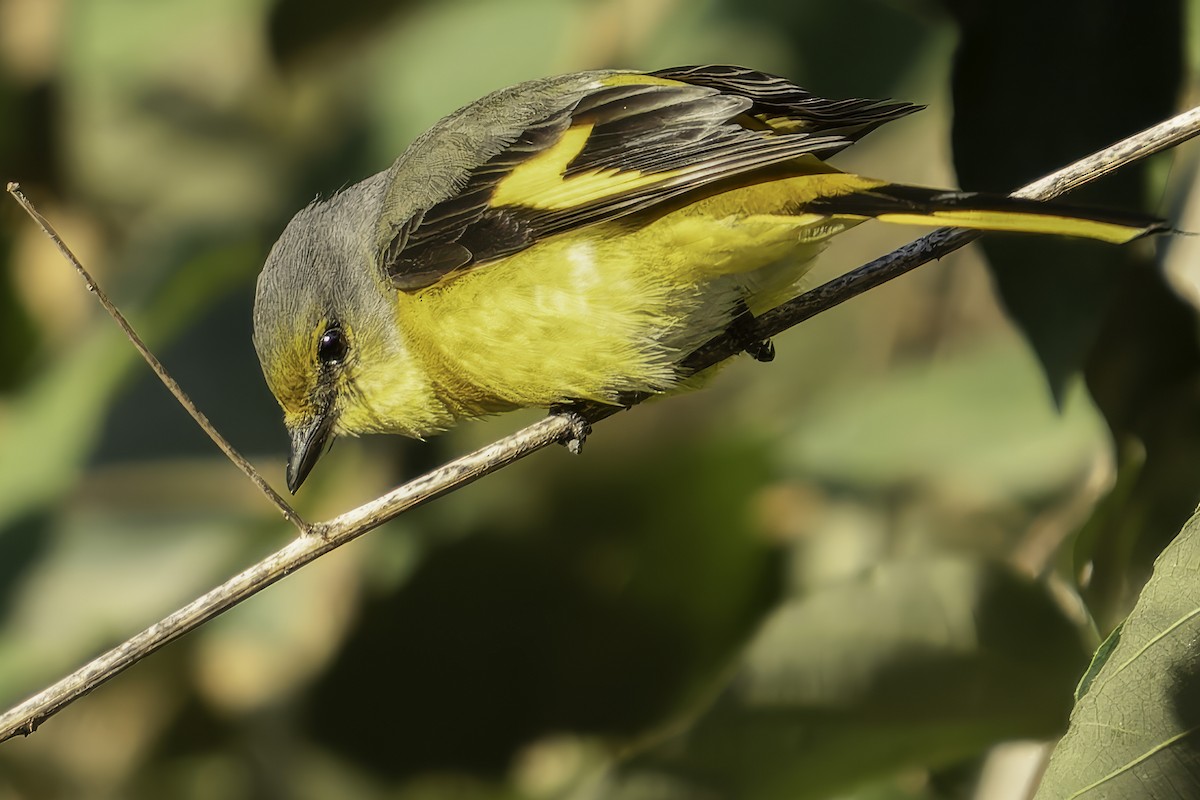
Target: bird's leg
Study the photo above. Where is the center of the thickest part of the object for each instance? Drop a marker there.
(741, 330)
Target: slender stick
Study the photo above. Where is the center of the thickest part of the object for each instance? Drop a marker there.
(25, 717)
(174, 388)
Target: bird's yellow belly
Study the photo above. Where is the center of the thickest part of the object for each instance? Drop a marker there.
(603, 312)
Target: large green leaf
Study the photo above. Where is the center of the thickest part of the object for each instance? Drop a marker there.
(1135, 731)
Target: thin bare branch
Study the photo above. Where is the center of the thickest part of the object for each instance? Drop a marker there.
(24, 718)
(174, 388)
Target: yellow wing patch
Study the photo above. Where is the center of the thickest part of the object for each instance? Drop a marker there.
(784, 124)
(638, 79)
(541, 181)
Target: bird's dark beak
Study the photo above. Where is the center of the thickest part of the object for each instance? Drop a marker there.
(309, 442)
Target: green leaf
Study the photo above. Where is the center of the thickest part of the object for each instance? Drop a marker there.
(1135, 731)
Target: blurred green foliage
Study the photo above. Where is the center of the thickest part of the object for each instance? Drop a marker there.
(854, 572)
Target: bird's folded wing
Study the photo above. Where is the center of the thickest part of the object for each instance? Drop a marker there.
(636, 142)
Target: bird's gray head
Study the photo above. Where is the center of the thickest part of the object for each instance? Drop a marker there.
(320, 312)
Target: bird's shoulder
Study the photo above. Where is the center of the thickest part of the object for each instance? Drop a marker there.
(439, 162)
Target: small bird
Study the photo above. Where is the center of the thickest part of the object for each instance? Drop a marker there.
(575, 238)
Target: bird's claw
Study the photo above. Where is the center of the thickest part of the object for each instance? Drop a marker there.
(762, 351)
(578, 427)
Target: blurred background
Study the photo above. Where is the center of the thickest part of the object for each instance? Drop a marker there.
(875, 568)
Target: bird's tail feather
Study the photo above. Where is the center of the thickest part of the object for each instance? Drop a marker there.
(915, 205)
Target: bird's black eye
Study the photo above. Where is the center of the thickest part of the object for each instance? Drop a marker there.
(332, 346)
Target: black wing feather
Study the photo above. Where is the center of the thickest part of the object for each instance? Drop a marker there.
(773, 95)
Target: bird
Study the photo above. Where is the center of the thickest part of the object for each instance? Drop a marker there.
(574, 238)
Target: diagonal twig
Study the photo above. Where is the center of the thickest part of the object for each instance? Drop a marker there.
(325, 536)
(174, 388)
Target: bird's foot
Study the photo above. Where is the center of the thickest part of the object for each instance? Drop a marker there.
(762, 351)
(742, 330)
(578, 427)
